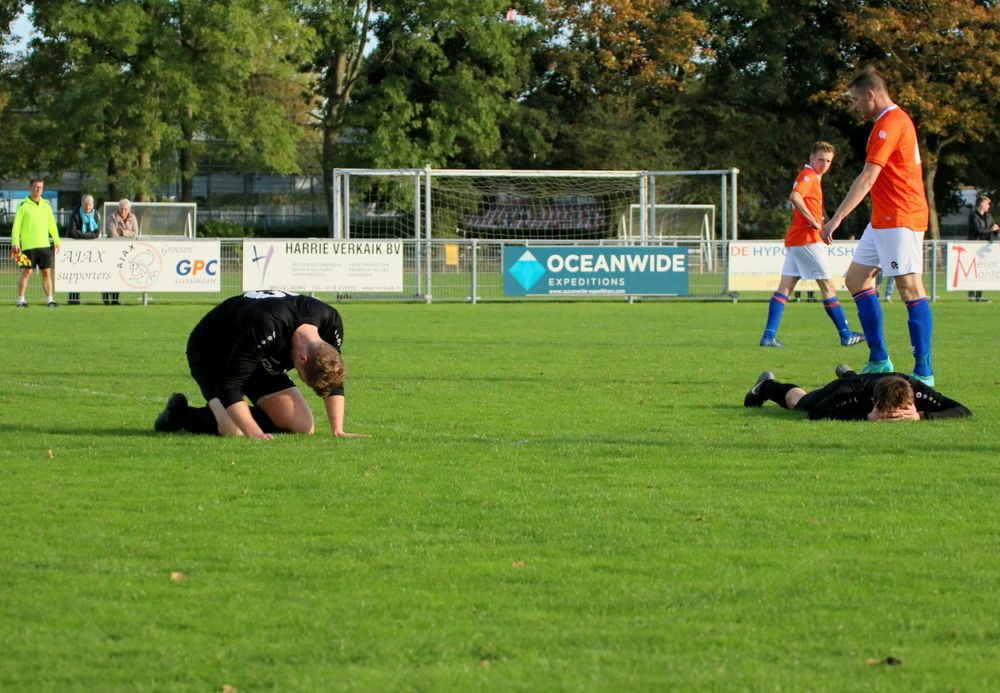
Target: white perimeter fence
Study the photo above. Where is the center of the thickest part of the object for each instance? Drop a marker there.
(458, 270)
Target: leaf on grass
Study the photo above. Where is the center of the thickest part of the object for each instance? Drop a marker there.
(699, 518)
(485, 664)
(226, 688)
(178, 576)
(888, 661)
(518, 564)
(51, 456)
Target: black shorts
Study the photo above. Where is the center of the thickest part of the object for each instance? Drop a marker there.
(259, 384)
(42, 258)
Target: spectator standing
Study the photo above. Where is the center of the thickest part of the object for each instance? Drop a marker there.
(34, 225)
(121, 224)
(981, 228)
(84, 224)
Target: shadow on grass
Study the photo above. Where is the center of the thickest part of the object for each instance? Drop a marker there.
(109, 432)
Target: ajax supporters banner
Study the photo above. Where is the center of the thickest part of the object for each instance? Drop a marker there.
(756, 265)
(973, 266)
(138, 265)
(323, 265)
(594, 270)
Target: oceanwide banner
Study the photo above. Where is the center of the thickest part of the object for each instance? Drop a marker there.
(323, 265)
(756, 265)
(138, 265)
(973, 266)
(594, 270)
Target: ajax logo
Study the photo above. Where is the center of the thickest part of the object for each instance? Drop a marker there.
(139, 265)
(527, 270)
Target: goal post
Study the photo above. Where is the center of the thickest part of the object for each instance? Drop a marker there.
(156, 219)
(693, 224)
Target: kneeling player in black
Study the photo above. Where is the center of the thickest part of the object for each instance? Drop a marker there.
(859, 397)
(243, 348)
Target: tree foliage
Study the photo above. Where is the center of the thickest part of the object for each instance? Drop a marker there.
(941, 62)
(445, 77)
(121, 87)
(131, 92)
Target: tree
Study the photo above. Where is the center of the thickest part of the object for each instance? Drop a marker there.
(612, 74)
(337, 65)
(8, 13)
(443, 79)
(940, 60)
(233, 72)
(754, 106)
(120, 87)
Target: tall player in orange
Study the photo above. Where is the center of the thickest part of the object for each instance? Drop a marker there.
(893, 240)
(805, 255)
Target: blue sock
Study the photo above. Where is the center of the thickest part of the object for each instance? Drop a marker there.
(870, 315)
(921, 326)
(774, 310)
(836, 313)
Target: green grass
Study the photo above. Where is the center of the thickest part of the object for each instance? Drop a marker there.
(555, 497)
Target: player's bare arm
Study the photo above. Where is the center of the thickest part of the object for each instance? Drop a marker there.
(799, 203)
(859, 189)
(335, 406)
(240, 415)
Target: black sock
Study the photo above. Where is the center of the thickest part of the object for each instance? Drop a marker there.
(776, 391)
(197, 420)
(263, 420)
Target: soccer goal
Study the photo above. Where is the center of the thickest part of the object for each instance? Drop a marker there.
(691, 224)
(177, 219)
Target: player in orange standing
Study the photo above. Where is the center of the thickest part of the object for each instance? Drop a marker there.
(805, 254)
(893, 240)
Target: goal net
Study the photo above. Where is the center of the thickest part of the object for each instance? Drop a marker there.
(531, 205)
(158, 218)
(690, 224)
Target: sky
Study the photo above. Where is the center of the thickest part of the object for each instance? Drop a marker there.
(21, 31)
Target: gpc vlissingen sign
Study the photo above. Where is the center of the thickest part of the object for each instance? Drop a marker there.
(594, 271)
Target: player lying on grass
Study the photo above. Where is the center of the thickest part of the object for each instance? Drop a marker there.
(243, 348)
(857, 397)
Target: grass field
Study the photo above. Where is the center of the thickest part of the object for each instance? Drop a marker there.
(555, 497)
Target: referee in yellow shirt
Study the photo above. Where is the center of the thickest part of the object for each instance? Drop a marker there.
(34, 223)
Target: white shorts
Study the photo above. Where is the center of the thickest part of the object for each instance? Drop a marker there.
(897, 250)
(806, 262)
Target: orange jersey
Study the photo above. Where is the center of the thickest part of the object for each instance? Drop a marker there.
(898, 198)
(810, 187)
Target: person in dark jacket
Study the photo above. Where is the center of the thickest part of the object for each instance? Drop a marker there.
(85, 225)
(981, 228)
(859, 397)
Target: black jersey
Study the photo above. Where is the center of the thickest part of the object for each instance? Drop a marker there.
(252, 331)
(852, 398)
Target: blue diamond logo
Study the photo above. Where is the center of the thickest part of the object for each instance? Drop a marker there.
(527, 270)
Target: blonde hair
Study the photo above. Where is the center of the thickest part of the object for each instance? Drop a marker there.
(822, 146)
(324, 371)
